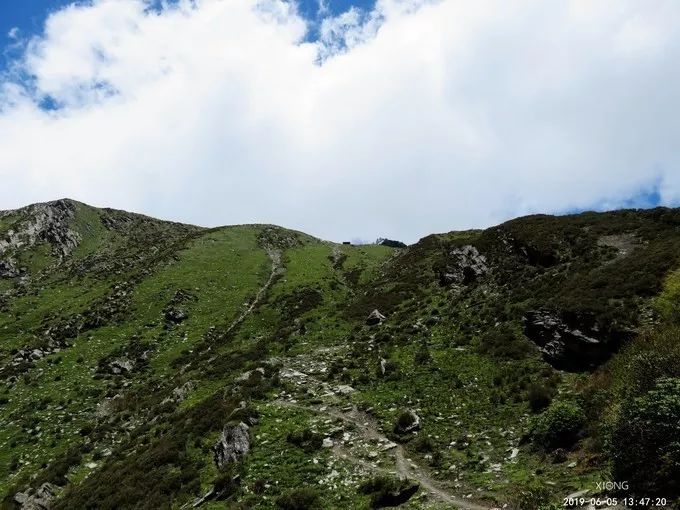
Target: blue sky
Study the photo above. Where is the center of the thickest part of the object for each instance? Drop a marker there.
(406, 118)
(29, 15)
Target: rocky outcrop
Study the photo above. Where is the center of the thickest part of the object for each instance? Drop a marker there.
(40, 499)
(375, 318)
(390, 243)
(232, 445)
(49, 222)
(121, 366)
(464, 266)
(175, 311)
(573, 344)
(9, 269)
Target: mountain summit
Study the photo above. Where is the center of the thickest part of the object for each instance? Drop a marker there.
(151, 364)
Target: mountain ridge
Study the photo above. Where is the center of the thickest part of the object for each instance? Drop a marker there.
(132, 350)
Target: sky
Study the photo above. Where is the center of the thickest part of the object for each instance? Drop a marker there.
(393, 118)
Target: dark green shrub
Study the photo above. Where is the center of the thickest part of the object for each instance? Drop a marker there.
(530, 497)
(422, 355)
(423, 444)
(404, 421)
(388, 491)
(539, 397)
(504, 342)
(299, 499)
(646, 441)
(305, 439)
(559, 425)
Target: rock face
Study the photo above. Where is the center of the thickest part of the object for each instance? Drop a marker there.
(374, 318)
(571, 344)
(40, 499)
(464, 266)
(48, 222)
(232, 445)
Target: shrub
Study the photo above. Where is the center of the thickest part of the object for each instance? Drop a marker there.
(504, 342)
(299, 499)
(559, 425)
(404, 421)
(423, 444)
(646, 441)
(529, 497)
(388, 491)
(422, 355)
(305, 439)
(539, 397)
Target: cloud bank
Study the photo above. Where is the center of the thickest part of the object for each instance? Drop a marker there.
(416, 117)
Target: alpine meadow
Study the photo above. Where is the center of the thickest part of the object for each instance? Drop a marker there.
(150, 364)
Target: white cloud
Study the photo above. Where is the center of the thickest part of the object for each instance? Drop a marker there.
(421, 117)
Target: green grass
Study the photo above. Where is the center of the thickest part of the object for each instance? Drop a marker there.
(457, 353)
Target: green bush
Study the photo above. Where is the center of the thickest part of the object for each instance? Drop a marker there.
(539, 397)
(504, 342)
(646, 441)
(299, 499)
(559, 425)
(529, 497)
(305, 439)
(386, 491)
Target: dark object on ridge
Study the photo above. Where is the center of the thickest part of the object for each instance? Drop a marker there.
(390, 242)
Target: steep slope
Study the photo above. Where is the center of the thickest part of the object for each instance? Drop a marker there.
(149, 364)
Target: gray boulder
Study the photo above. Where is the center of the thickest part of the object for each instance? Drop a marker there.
(374, 318)
(40, 499)
(232, 445)
(464, 266)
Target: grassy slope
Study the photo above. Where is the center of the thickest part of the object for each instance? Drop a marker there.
(68, 415)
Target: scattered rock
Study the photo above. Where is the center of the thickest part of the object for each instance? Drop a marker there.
(8, 269)
(327, 442)
(40, 499)
(464, 266)
(232, 445)
(180, 393)
(344, 389)
(250, 375)
(120, 366)
(175, 314)
(374, 318)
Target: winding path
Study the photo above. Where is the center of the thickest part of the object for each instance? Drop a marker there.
(403, 466)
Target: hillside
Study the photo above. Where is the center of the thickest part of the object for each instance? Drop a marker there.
(150, 364)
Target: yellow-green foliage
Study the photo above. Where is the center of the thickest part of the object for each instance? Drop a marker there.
(667, 304)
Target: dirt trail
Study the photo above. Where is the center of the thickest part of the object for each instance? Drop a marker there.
(369, 430)
(277, 268)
